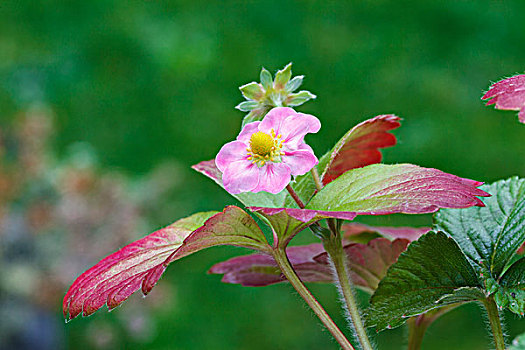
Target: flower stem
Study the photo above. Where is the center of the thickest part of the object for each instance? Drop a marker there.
(295, 196)
(495, 322)
(288, 271)
(334, 247)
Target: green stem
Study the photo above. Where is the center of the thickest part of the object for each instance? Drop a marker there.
(495, 322)
(288, 271)
(334, 247)
(317, 181)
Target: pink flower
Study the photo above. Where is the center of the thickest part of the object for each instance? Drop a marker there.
(266, 154)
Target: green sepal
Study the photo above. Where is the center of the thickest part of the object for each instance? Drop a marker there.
(266, 79)
(252, 91)
(501, 299)
(298, 99)
(491, 286)
(247, 106)
(294, 84)
(282, 77)
(254, 115)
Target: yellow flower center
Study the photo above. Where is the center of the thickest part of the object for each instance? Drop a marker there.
(265, 148)
(261, 143)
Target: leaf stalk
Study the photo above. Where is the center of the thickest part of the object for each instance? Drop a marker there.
(280, 257)
(334, 247)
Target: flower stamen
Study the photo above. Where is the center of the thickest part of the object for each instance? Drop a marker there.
(265, 148)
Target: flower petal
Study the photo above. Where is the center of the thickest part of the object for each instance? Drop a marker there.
(300, 161)
(313, 122)
(274, 178)
(241, 176)
(247, 132)
(231, 152)
(294, 128)
(274, 118)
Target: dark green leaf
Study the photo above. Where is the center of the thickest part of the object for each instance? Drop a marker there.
(432, 272)
(490, 235)
(512, 290)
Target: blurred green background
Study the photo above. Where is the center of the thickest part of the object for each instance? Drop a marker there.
(144, 83)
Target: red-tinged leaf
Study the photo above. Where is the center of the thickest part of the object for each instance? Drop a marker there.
(368, 264)
(353, 229)
(380, 189)
(508, 94)
(359, 146)
(231, 227)
(259, 270)
(141, 264)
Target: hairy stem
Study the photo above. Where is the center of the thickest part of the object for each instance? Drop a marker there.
(334, 247)
(288, 271)
(295, 196)
(495, 322)
(315, 175)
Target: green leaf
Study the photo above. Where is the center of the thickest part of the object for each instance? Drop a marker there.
(433, 272)
(282, 77)
(380, 189)
(266, 79)
(490, 235)
(231, 227)
(515, 275)
(512, 291)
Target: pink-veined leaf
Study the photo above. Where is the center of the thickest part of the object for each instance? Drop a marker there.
(257, 270)
(380, 189)
(359, 146)
(140, 264)
(368, 264)
(508, 94)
